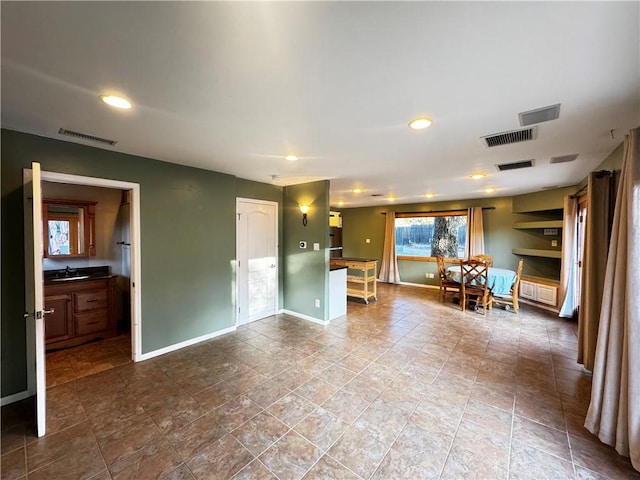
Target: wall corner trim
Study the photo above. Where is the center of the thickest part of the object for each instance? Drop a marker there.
(186, 343)
(305, 317)
(16, 397)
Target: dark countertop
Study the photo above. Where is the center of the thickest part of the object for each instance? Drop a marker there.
(66, 275)
(336, 267)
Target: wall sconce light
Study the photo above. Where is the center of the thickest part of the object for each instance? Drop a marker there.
(304, 209)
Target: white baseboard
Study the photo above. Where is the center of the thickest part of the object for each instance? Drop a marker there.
(16, 397)
(186, 343)
(305, 317)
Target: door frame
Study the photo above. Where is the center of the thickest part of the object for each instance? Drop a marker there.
(277, 246)
(135, 279)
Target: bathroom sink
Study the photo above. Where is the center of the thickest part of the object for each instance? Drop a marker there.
(69, 279)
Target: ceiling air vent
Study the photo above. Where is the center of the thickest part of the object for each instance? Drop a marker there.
(515, 165)
(85, 136)
(539, 115)
(564, 158)
(514, 136)
(377, 195)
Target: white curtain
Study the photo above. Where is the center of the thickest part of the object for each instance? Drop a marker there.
(389, 269)
(474, 244)
(614, 412)
(569, 268)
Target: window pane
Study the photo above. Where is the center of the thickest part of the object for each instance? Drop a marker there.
(59, 237)
(431, 236)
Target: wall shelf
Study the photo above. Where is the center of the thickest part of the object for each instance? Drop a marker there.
(543, 224)
(533, 252)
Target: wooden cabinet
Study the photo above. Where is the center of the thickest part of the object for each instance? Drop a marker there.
(83, 311)
(59, 324)
(539, 291)
(361, 277)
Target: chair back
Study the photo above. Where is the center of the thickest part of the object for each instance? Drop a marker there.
(516, 283)
(442, 271)
(475, 275)
(488, 259)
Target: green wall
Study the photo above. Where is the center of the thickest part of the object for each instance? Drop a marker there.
(187, 241)
(358, 224)
(306, 273)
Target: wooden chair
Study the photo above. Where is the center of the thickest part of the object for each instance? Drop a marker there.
(474, 282)
(511, 300)
(488, 259)
(445, 282)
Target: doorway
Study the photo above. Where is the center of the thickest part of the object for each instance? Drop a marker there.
(98, 338)
(36, 376)
(257, 259)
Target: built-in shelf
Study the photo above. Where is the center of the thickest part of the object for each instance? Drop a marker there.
(533, 252)
(542, 224)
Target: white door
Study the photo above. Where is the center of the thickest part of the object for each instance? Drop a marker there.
(257, 259)
(34, 295)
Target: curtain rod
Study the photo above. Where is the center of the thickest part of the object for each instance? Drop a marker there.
(440, 211)
(578, 194)
(598, 174)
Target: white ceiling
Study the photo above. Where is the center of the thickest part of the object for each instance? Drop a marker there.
(233, 87)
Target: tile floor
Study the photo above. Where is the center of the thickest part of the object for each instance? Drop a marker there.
(402, 388)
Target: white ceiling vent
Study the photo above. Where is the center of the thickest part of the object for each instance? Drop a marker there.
(564, 158)
(515, 165)
(514, 136)
(539, 115)
(85, 136)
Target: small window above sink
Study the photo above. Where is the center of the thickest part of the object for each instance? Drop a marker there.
(69, 228)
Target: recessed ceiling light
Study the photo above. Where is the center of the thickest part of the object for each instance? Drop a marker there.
(419, 123)
(116, 101)
(489, 189)
(340, 203)
(430, 195)
(391, 198)
(478, 176)
(357, 190)
(291, 157)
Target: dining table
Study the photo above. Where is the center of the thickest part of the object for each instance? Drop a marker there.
(499, 280)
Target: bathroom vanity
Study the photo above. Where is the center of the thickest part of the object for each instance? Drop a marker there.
(83, 303)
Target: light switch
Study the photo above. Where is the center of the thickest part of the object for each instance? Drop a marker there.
(368, 240)
(316, 246)
(554, 243)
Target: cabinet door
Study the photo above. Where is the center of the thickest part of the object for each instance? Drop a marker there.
(528, 290)
(59, 324)
(547, 294)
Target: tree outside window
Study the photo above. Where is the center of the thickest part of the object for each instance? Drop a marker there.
(422, 236)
